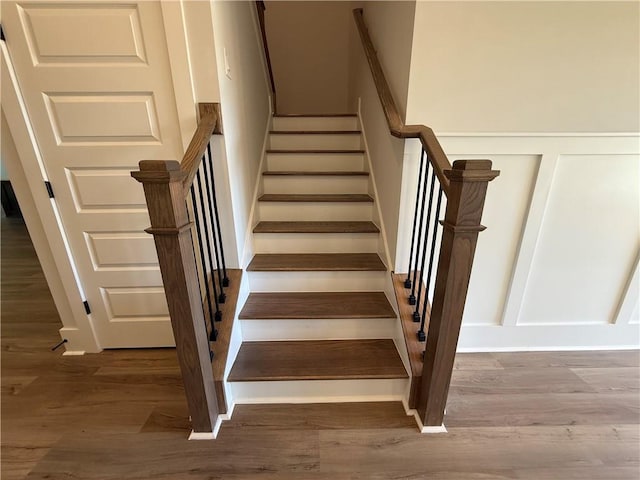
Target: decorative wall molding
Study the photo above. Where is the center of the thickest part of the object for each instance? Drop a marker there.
(511, 291)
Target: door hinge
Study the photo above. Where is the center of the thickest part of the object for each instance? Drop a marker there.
(47, 184)
(2, 33)
(86, 307)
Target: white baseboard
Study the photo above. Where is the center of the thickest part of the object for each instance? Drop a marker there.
(439, 429)
(532, 338)
(203, 435)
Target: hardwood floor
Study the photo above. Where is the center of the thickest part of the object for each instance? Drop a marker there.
(121, 415)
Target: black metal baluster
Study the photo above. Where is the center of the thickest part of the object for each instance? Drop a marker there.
(218, 314)
(225, 280)
(421, 335)
(208, 180)
(407, 282)
(214, 333)
(416, 314)
(412, 297)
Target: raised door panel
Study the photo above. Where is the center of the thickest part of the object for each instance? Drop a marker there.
(97, 84)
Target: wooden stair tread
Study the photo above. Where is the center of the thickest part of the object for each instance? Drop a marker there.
(316, 227)
(315, 173)
(319, 151)
(310, 262)
(317, 360)
(317, 197)
(316, 305)
(315, 132)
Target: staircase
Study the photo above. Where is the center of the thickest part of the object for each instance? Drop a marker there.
(317, 325)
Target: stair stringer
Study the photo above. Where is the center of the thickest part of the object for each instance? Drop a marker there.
(258, 189)
(383, 251)
(244, 290)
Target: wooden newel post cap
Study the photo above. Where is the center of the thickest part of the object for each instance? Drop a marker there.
(159, 171)
(471, 171)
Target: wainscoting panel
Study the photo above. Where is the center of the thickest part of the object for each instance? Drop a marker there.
(557, 267)
(588, 241)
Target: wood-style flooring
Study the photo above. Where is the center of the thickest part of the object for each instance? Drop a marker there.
(121, 415)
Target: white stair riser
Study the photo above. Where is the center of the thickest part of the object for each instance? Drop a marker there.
(315, 184)
(315, 242)
(315, 162)
(317, 281)
(323, 329)
(315, 211)
(315, 141)
(319, 391)
(315, 123)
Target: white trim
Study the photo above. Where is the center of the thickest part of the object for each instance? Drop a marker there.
(529, 240)
(235, 343)
(537, 134)
(248, 247)
(204, 435)
(534, 145)
(628, 303)
(499, 333)
(439, 429)
(73, 353)
(532, 338)
(216, 427)
(428, 429)
(372, 178)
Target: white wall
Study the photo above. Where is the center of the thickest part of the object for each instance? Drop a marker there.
(246, 111)
(547, 91)
(309, 55)
(526, 66)
(390, 26)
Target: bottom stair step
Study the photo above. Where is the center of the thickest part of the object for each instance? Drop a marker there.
(317, 360)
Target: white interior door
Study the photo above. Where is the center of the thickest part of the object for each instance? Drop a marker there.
(97, 84)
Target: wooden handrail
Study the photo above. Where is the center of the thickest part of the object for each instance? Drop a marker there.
(209, 123)
(261, 7)
(397, 128)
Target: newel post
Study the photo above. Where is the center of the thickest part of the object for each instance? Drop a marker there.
(171, 230)
(465, 202)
